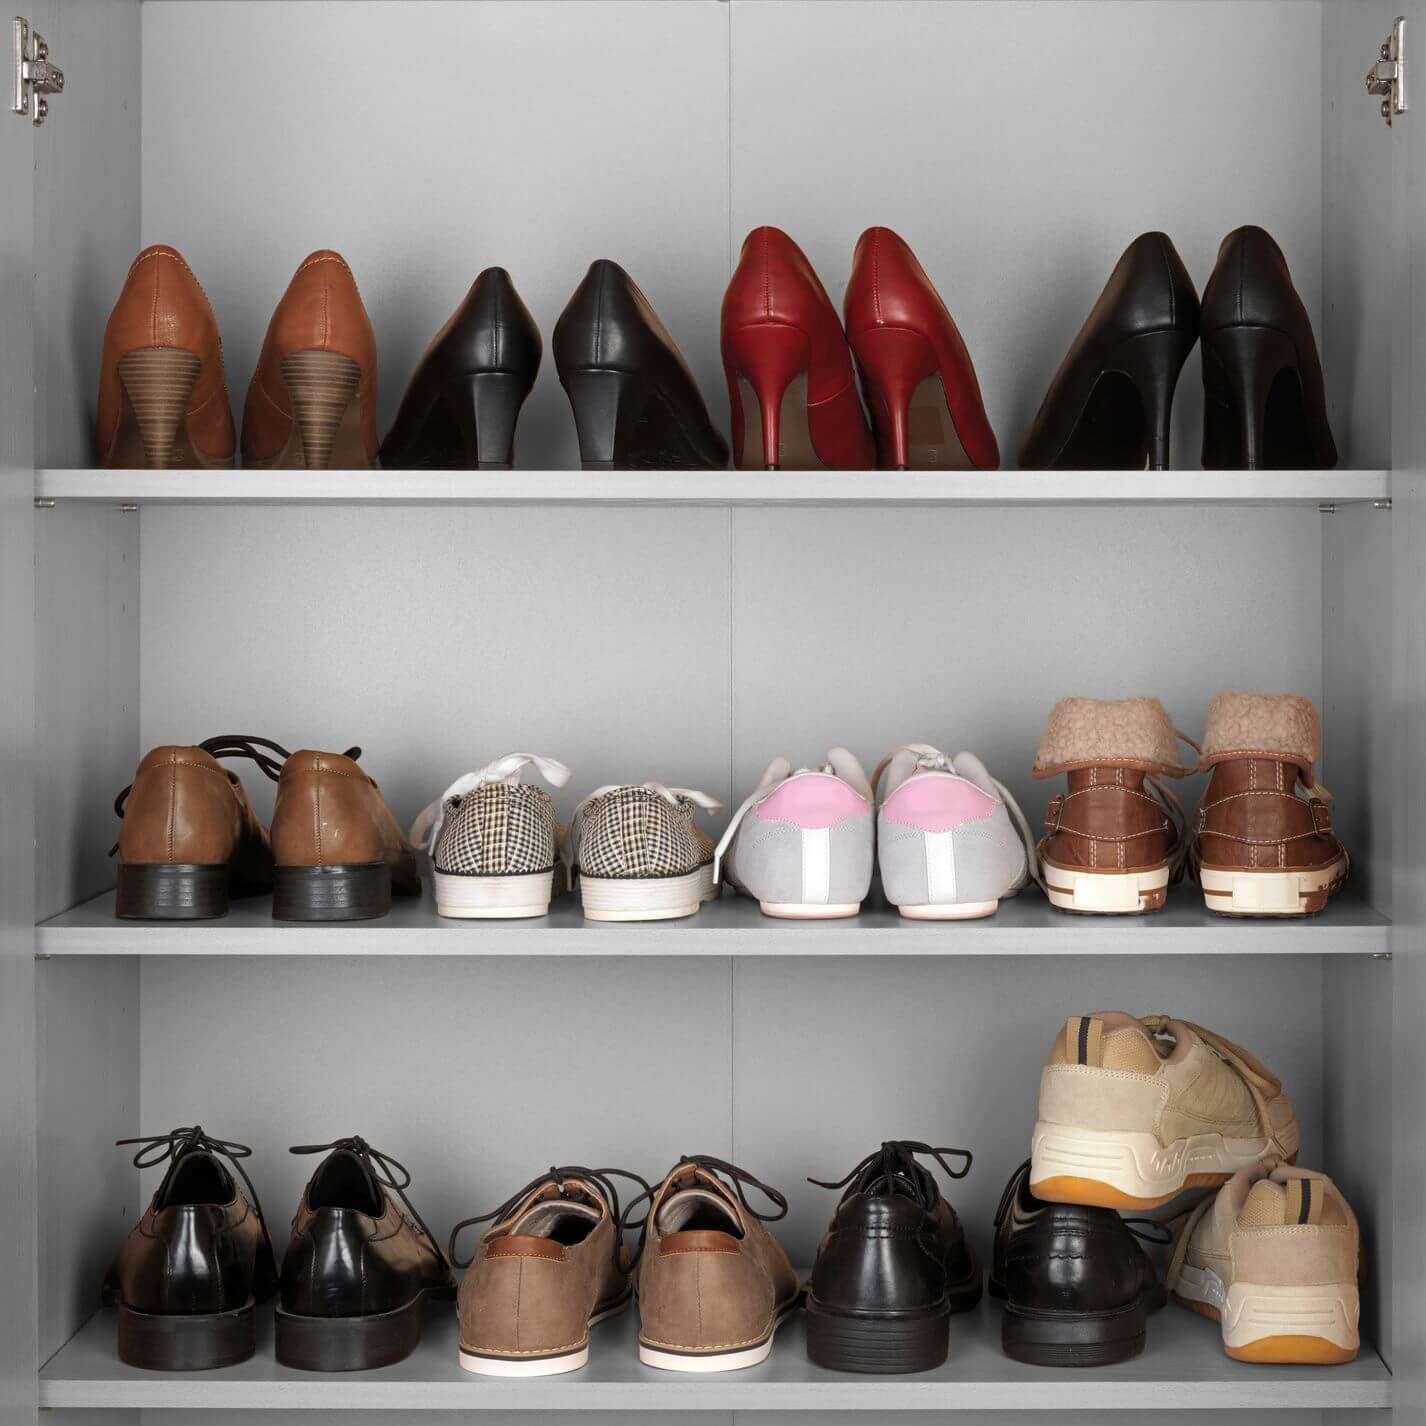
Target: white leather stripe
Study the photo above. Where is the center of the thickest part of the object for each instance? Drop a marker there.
(816, 866)
(940, 868)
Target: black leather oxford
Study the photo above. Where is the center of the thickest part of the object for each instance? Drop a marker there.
(892, 1267)
(1078, 1288)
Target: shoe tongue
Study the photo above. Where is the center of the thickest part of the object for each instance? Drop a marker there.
(845, 765)
(912, 1182)
(1266, 1205)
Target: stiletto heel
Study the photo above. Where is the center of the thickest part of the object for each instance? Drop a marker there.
(1152, 362)
(895, 365)
(599, 399)
(769, 363)
(157, 382)
(323, 386)
(1241, 367)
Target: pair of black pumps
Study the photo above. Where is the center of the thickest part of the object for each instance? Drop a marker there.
(1265, 404)
(635, 402)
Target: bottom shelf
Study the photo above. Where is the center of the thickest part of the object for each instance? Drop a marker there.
(1183, 1366)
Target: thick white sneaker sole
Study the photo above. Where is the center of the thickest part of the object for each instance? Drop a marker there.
(1237, 891)
(809, 911)
(493, 897)
(950, 911)
(1111, 1168)
(655, 898)
(1105, 893)
(1264, 1322)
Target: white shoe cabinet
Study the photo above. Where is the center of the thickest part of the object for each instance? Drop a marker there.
(687, 628)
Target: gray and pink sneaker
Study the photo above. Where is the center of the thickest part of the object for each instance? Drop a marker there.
(951, 839)
(801, 844)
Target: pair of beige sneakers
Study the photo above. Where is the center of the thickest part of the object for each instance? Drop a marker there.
(711, 1283)
(1134, 1111)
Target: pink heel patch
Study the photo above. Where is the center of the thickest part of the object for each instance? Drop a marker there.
(937, 804)
(814, 799)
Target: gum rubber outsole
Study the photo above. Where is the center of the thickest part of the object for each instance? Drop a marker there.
(1066, 1188)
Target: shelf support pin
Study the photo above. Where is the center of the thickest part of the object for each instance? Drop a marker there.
(1381, 955)
(43, 504)
(1382, 504)
(1327, 507)
(128, 509)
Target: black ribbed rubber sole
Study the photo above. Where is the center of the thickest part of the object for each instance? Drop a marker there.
(186, 1342)
(331, 893)
(877, 1345)
(1074, 1339)
(348, 1344)
(158, 891)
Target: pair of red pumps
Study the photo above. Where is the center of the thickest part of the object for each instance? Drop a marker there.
(789, 364)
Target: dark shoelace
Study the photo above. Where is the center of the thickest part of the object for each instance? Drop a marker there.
(1146, 1230)
(384, 1169)
(600, 1178)
(234, 745)
(894, 1164)
(155, 1149)
(710, 1164)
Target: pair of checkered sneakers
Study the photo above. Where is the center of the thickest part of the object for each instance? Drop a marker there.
(950, 840)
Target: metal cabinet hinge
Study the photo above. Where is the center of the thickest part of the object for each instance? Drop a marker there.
(35, 76)
(1387, 77)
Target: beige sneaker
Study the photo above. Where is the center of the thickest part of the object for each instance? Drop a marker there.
(1134, 1111)
(713, 1284)
(1274, 1259)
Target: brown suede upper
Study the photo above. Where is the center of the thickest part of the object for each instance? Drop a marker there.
(1251, 817)
(320, 311)
(1107, 821)
(162, 305)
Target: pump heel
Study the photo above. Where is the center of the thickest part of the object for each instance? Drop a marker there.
(603, 402)
(1242, 367)
(901, 376)
(1153, 362)
(769, 364)
(157, 382)
(323, 386)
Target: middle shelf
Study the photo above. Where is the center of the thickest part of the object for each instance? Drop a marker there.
(731, 926)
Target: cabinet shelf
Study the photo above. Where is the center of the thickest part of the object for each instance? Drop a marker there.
(1183, 1366)
(718, 488)
(732, 926)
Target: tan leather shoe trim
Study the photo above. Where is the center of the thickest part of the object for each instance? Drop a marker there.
(522, 1245)
(697, 1241)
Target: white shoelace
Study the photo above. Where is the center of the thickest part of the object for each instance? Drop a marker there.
(840, 763)
(569, 848)
(431, 818)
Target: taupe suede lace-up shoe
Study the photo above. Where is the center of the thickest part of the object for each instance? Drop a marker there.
(638, 854)
(548, 1268)
(713, 1284)
(1274, 1257)
(1114, 840)
(1263, 841)
(1133, 1111)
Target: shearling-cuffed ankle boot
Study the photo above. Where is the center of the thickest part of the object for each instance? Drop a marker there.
(1263, 840)
(1114, 839)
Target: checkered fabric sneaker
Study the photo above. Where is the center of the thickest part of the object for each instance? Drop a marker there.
(638, 854)
(494, 840)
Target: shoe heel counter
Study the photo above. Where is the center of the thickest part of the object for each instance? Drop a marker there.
(327, 1272)
(702, 1292)
(1088, 1097)
(204, 1267)
(872, 1260)
(808, 844)
(321, 816)
(180, 811)
(1293, 1255)
(519, 1298)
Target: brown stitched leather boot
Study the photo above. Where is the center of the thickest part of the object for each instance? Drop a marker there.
(163, 398)
(1264, 844)
(312, 401)
(1110, 845)
(190, 838)
(338, 850)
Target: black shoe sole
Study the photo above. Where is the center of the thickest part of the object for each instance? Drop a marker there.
(158, 891)
(331, 893)
(186, 1342)
(889, 1343)
(1074, 1339)
(348, 1344)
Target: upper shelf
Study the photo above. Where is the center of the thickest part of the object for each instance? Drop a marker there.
(732, 926)
(718, 487)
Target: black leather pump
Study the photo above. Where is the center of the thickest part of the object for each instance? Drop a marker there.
(1265, 403)
(1077, 1287)
(1109, 405)
(463, 399)
(636, 404)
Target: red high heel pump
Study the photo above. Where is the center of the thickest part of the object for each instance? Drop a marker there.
(791, 388)
(917, 374)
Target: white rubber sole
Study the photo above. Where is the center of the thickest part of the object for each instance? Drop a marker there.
(716, 1361)
(493, 897)
(538, 1366)
(1269, 893)
(655, 898)
(1105, 893)
(1283, 1322)
(801, 911)
(1111, 1168)
(957, 911)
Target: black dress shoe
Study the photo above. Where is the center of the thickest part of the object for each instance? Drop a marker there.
(636, 404)
(463, 399)
(893, 1266)
(358, 1269)
(1264, 401)
(1109, 405)
(189, 1276)
(1077, 1286)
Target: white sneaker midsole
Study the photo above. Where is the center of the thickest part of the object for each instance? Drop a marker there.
(715, 1361)
(654, 898)
(1107, 892)
(493, 896)
(1250, 1311)
(1268, 892)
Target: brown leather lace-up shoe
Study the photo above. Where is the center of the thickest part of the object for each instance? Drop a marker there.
(1263, 841)
(163, 399)
(190, 839)
(1114, 840)
(713, 1284)
(312, 401)
(338, 850)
